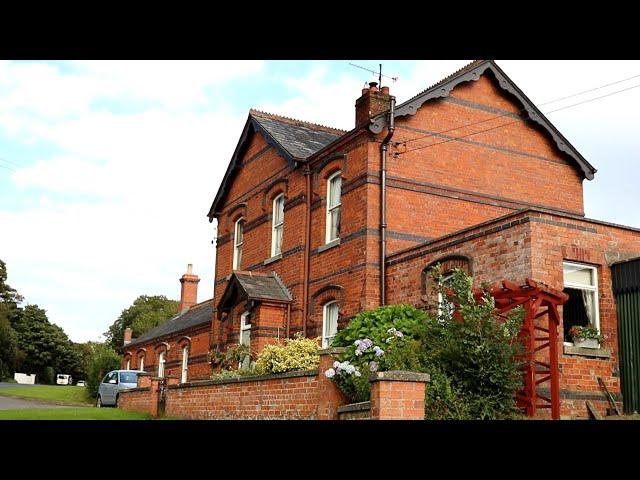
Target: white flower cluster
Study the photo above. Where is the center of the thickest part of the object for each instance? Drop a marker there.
(342, 368)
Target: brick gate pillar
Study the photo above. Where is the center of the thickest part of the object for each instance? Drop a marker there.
(329, 395)
(397, 395)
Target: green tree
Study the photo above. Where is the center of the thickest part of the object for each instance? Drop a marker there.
(147, 312)
(8, 349)
(44, 344)
(103, 359)
(10, 355)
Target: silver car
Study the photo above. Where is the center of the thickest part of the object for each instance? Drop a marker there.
(112, 383)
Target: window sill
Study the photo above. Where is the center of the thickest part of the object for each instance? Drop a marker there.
(331, 244)
(587, 352)
(272, 259)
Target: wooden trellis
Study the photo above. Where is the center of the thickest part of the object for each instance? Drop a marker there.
(539, 334)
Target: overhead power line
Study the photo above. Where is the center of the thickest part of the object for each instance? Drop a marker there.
(501, 125)
(523, 109)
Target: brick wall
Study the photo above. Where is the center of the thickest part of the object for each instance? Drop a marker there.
(534, 244)
(198, 365)
(135, 400)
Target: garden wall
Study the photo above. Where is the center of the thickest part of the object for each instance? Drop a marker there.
(307, 395)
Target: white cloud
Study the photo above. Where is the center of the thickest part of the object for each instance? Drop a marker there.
(119, 203)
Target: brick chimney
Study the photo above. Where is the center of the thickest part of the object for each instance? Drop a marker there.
(127, 335)
(189, 289)
(372, 103)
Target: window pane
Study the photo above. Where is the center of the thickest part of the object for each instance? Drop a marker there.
(331, 320)
(238, 257)
(278, 213)
(335, 223)
(277, 248)
(334, 191)
(239, 232)
(578, 275)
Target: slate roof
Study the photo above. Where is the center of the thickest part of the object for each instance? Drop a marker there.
(295, 140)
(197, 315)
(254, 286)
(300, 139)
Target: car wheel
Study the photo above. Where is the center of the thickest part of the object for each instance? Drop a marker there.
(99, 402)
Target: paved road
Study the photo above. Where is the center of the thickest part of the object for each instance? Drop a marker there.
(9, 403)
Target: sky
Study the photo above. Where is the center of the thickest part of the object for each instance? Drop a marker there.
(108, 168)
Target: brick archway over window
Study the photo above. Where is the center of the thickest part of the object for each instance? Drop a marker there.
(448, 264)
(319, 298)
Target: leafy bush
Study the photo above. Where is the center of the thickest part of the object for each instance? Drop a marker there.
(103, 359)
(47, 376)
(297, 353)
(382, 339)
(469, 353)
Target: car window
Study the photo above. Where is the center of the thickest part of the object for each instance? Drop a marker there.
(106, 378)
(128, 377)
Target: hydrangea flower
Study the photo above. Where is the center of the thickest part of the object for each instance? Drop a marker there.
(379, 352)
(336, 364)
(373, 366)
(357, 373)
(330, 373)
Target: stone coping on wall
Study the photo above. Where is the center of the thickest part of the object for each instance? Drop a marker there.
(399, 376)
(135, 389)
(355, 407)
(587, 352)
(253, 378)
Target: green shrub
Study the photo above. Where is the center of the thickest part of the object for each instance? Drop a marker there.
(295, 354)
(382, 339)
(103, 359)
(47, 376)
(474, 374)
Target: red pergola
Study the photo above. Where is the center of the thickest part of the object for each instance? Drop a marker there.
(539, 333)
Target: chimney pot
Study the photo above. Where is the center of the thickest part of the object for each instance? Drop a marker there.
(385, 90)
(190, 268)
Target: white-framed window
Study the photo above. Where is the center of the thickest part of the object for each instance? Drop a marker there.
(581, 284)
(245, 337)
(334, 206)
(238, 240)
(444, 305)
(128, 365)
(329, 323)
(161, 364)
(277, 225)
(142, 363)
(185, 364)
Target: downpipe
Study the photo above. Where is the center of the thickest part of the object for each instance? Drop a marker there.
(384, 147)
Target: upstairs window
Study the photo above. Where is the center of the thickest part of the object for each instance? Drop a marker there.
(581, 284)
(277, 225)
(329, 323)
(334, 206)
(238, 240)
(141, 367)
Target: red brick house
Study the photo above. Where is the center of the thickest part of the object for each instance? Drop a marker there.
(178, 347)
(468, 173)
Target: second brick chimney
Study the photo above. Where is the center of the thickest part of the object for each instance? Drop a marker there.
(127, 335)
(372, 103)
(189, 289)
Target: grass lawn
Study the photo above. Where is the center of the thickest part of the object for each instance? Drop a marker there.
(79, 413)
(49, 393)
